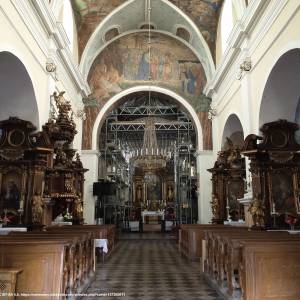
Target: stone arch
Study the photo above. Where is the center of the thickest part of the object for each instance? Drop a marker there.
(115, 99)
(280, 94)
(233, 130)
(18, 96)
(95, 41)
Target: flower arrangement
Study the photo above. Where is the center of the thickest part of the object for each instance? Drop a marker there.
(6, 219)
(291, 220)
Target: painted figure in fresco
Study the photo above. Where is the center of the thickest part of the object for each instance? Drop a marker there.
(161, 67)
(144, 67)
(167, 73)
(191, 82)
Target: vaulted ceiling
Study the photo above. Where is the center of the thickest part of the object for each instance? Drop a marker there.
(199, 17)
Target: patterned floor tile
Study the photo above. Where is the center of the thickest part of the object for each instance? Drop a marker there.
(147, 267)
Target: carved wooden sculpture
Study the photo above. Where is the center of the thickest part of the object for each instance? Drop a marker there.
(228, 184)
(39, 177)
(275, 168)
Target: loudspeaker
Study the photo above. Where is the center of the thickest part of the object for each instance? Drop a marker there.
(97, 189)
(104, 188)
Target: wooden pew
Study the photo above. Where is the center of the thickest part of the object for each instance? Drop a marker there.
(8, 282)
(271, 270)
(42, 262)
(100, 231)
(78, 258)
(81, 258)
(224, 264)
(191, 236)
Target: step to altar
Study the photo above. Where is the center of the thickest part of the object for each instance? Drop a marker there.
(151, 227)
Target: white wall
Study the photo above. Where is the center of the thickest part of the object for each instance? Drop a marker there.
(17, 95)
(275, 30)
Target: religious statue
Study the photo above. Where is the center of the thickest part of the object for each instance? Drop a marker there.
(257, 210)
(61, 157)
(170, 194)
(37, 209)
(62, 104)
(78, 208)
(139, 193)
(215, 207)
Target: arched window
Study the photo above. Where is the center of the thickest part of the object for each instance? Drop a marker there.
(183, 33)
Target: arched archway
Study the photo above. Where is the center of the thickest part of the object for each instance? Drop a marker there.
(109, 105)
(280, 99)
(91, 157)
(233, 130)
(95, 42)
(17, 93)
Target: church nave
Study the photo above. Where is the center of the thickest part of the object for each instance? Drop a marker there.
(149, 266)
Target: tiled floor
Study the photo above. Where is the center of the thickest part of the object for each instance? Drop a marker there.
(150, 267)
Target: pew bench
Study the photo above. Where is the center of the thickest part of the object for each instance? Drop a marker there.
(226, 265)
(191, 237)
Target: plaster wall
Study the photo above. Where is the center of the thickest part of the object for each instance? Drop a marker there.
(19, 37)
(270, 39)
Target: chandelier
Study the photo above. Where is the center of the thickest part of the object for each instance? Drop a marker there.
(150, 157)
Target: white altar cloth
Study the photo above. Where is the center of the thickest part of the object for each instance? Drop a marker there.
(101, 243)
(7, 230)
(152, 213)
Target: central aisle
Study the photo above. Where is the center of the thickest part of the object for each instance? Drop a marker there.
(150, 267)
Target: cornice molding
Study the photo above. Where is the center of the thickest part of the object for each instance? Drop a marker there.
(41, 22)
(240, 35)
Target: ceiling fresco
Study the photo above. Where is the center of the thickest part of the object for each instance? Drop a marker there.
(205, 14)
(90, 13)
(125, 63)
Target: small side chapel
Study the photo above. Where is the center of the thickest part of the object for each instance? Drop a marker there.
(150, 149)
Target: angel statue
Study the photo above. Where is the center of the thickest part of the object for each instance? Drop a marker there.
(215, 207)
(257, 210)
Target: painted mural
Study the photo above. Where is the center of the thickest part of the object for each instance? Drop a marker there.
(90, 13)
(205, 14)
(126, 63)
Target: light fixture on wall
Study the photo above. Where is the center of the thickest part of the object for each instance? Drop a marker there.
(80, 114)
(212, 112)
(245, 66)
(50, 65)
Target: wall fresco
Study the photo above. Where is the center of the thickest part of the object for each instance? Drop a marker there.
(126, 63)
(205, 14)
(90, 13)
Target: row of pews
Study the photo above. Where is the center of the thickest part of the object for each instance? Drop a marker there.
(57, 263)
(249, 265)
(191, 237)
